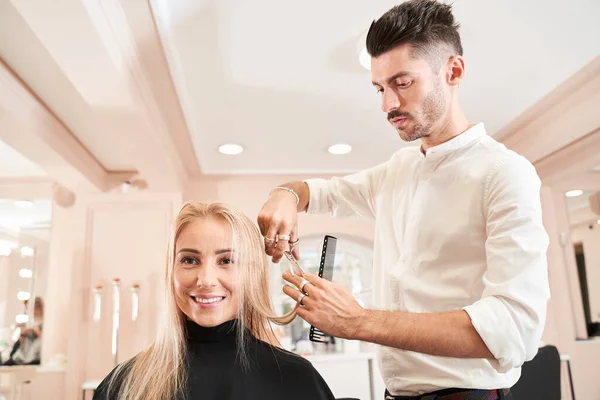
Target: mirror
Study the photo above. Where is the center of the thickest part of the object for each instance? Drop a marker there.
(584, 218)
(352, 269)
(25, 228)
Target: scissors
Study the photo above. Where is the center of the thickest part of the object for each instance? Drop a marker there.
(294, 265)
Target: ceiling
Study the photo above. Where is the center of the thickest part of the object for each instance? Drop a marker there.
(283, 79)
(14, 165)
(14, 219)
(280, 78)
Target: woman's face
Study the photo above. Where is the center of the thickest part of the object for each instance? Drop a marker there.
(205, 269)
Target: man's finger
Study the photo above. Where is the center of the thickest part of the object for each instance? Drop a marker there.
(270, 239)
(316, 281)
(295, 280)
(294, 242)
(295, 295)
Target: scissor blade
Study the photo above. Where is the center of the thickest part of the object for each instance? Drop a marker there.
(294, 264)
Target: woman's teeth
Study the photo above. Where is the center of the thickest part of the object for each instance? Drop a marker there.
(208, 301)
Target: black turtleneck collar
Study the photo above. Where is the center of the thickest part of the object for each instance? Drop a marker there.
(227, 331)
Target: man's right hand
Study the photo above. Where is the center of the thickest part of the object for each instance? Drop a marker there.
(278, 219)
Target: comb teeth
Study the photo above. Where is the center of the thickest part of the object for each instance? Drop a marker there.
(317, 336)
(325, 272)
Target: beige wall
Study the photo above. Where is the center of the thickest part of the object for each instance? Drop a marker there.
(249, 193)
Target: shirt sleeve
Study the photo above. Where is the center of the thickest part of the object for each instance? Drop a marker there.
(511, 314)
(353, 195)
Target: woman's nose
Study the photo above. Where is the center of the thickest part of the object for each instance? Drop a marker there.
(207, 276)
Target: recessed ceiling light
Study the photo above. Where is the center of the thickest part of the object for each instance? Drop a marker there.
(598, 221)
(364, 58)
(574, 193)
(230, 149)
(23, 203)
(340, 148)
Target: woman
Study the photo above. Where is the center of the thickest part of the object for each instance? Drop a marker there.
(214, 343)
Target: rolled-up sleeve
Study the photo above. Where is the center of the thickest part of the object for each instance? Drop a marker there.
(349, 196)
(511, 314)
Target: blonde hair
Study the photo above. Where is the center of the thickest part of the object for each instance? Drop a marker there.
(159, 372)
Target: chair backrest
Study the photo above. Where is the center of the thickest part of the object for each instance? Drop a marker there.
(540, 377)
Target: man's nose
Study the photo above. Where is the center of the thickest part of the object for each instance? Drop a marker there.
(390, 101)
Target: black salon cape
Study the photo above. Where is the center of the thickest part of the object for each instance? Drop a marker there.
(214, 371)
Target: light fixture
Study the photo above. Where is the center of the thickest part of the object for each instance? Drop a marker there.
(598, 221)
(574, 193)
(364, 58)
(23, 203)
(22, 318)
(27, 251)
(230, 149)
(340, 148)
(25, 273)
(23, 295)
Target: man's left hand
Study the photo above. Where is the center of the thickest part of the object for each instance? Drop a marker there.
(327, 306)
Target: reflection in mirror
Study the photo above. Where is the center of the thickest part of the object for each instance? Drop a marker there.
(584, 219)
(352, 269)
(25, 227)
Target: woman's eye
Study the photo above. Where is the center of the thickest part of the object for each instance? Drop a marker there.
(189, 261)
(227, 261)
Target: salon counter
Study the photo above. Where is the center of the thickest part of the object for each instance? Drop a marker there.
(33, 382)
(350, 374)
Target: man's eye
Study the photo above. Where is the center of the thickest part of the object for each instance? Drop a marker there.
(404, 85)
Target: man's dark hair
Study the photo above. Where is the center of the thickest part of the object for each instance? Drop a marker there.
(427, 25)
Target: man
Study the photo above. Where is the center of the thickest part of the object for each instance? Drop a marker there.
(460, 268)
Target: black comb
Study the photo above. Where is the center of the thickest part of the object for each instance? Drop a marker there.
(325, 272)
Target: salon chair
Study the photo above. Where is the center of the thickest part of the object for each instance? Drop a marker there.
(540, 377)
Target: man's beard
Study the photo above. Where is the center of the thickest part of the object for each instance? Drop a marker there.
(423, 121)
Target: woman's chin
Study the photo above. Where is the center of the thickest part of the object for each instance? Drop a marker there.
(210, 321)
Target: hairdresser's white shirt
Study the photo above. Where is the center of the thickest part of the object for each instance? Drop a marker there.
(457, 228)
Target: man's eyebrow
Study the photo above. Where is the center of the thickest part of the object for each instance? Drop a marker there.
(389, 80)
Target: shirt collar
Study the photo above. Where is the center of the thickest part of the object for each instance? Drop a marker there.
(462, 140)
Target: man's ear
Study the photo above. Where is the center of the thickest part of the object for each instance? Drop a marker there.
(455, 70)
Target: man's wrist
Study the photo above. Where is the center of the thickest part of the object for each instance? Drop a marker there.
(290, 191)
(299, 191)
(366, 325)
